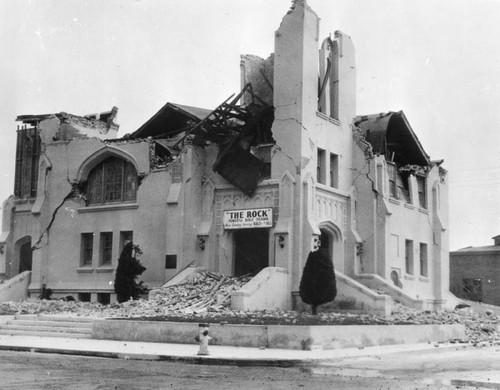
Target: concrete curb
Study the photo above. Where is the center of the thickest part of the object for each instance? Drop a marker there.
(228, 356)
(199, 360)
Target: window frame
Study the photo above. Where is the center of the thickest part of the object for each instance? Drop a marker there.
(422, 191)
(392, 174)
(409, 263)
(105, 249)
(114, 180)
(424, 260)
(334, 170)
(321, 167)
(86, 248)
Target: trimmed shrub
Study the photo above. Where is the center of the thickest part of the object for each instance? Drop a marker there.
(318, 285)
(129, 268)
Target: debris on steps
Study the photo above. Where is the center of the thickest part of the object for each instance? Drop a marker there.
(205, 297)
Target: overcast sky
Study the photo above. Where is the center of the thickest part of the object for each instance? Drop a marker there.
(437, 60)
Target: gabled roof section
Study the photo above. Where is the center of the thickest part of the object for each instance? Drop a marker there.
(391, 135)
(171, 119)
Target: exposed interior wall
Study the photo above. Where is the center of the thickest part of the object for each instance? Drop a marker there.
(260, 73)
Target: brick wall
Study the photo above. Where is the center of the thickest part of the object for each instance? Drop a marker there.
(483, 265)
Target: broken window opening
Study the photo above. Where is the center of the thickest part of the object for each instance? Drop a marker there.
(422, 197)
(263, 153)
(161, 154)
(399, 185)
(112, 181)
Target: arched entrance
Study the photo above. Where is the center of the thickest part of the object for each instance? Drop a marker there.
(331, 238)
(24, 254)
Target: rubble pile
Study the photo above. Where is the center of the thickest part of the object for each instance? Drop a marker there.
(207, 291)
(206, 297)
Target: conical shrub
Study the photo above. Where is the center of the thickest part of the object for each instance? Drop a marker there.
(318, 285)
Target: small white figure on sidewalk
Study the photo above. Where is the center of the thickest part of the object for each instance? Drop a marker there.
(203, 339)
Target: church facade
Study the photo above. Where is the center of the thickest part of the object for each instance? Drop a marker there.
(245, 188)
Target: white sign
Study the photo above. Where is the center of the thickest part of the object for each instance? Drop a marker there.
(252, 218)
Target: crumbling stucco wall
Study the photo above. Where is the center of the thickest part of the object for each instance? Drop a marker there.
(260, 73)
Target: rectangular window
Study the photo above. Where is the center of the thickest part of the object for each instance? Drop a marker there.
(334, 170)
(423, 260)
(392, 175)
(409, 257)
(125, 236)
(321, 166)
(170, 261)
(421, 192)
(106, 248)
(87, 248)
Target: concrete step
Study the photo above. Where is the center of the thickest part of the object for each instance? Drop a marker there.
(55, 324)
(10, 332)
(47, 326)
(40, 328)
(46, 317)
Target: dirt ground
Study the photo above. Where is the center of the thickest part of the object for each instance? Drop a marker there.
(464, 368)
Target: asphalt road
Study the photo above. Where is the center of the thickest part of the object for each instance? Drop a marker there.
(436, 369)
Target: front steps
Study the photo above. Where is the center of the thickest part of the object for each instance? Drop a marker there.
(47, 326)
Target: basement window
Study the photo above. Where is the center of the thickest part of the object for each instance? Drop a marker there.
(104, 298)
(84, 297)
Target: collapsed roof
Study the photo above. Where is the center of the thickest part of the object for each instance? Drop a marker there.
(391, 135)
(234, 127)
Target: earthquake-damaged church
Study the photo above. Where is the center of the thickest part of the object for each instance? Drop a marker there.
(246, 187)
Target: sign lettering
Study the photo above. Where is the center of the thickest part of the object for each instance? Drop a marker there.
(245, 219)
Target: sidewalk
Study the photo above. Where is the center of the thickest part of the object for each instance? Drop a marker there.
(219, 355)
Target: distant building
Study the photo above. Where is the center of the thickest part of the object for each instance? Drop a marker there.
(245, 188)
(475, 273)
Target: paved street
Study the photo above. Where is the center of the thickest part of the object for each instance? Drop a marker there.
(435, 369)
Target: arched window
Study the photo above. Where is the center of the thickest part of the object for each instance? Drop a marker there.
(27, 156)
(112, 181)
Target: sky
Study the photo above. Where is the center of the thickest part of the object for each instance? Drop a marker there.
(437, 60)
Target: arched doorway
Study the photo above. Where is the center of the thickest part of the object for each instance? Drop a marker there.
(331, 239)
(24, 254)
